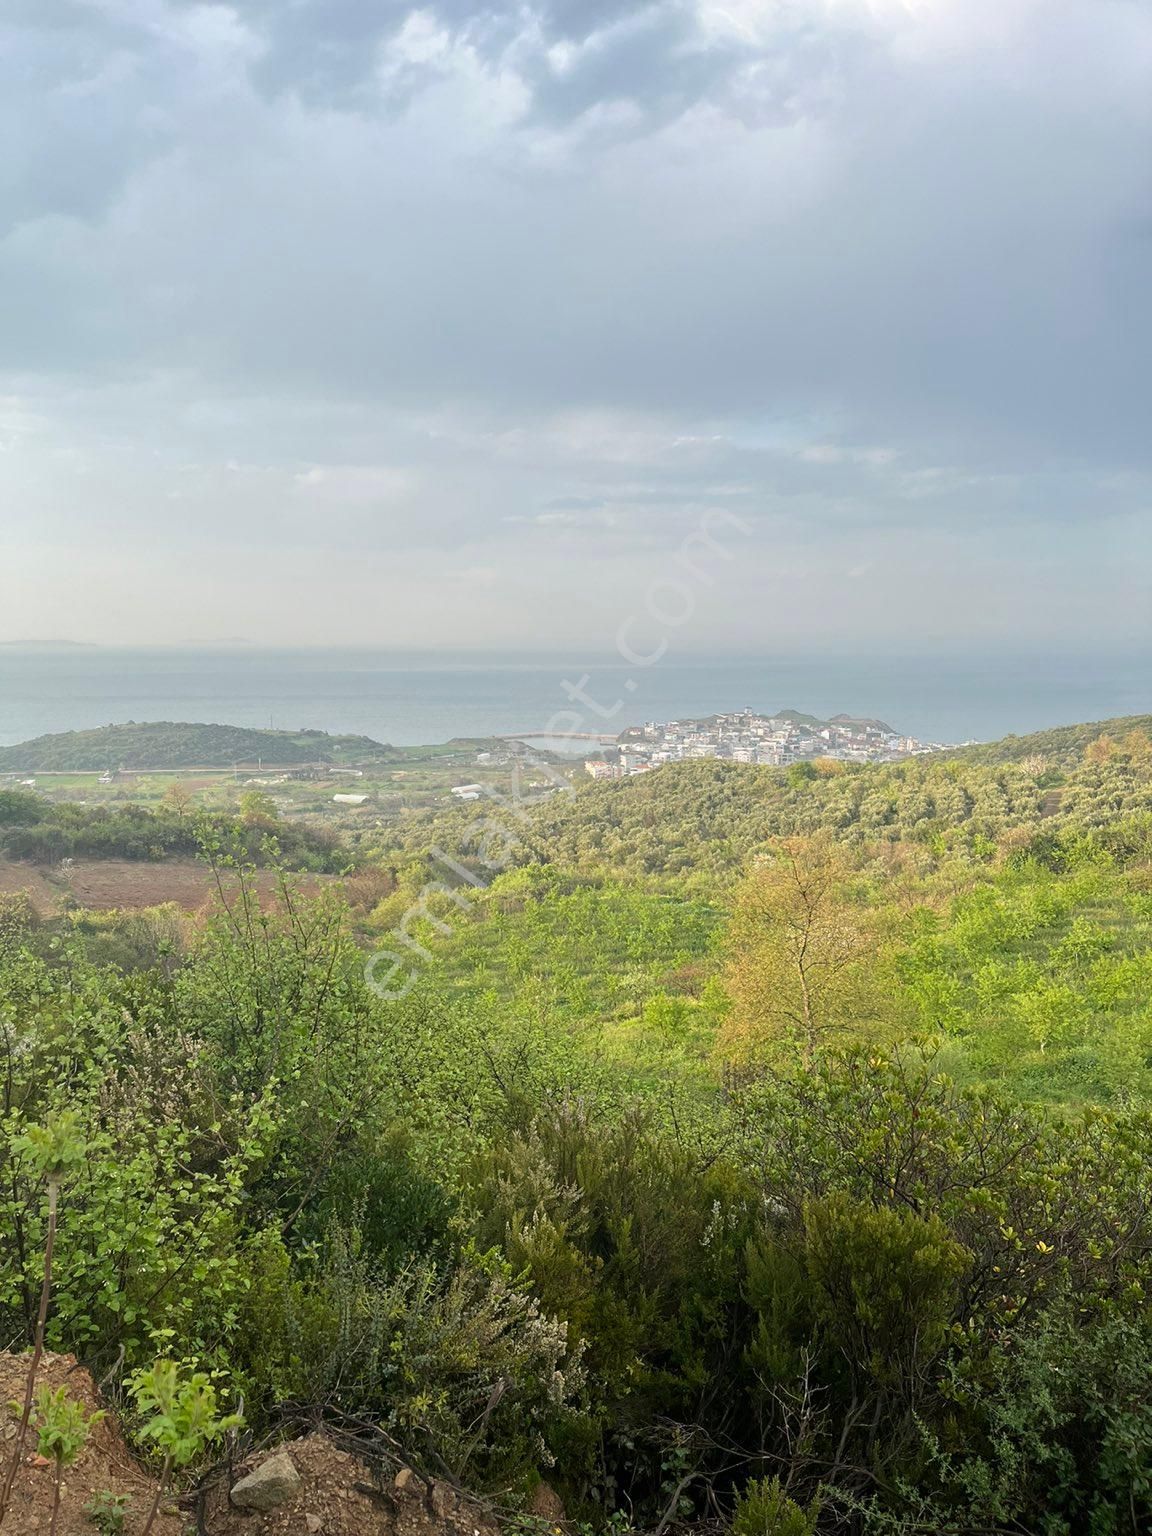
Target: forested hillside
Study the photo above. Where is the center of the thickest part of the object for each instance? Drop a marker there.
(745, 1148)
(164, 744)
(702, 820)
(1063, 746)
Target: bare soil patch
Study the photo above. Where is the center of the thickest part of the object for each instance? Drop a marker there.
(339, 1495)
(130, 884)
(105, 1463)
(15, 878)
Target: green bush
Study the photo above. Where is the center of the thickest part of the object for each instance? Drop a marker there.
(885, 1287)
(764, 1509)
(460, 1365)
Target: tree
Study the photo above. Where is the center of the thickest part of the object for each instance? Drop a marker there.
(803, 956)
(1138, 747)
(183, 1421)
(179, 798)
(63, 1428)
(258, 809)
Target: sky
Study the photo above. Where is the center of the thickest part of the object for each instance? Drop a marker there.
(755, 324)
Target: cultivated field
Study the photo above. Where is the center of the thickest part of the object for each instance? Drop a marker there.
(102, 884)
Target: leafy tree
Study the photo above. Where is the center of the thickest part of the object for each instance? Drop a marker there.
(803, 953)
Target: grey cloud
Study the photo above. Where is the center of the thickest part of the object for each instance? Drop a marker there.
(845, 269)
(72, 133)
(325, 51)
(651, 57)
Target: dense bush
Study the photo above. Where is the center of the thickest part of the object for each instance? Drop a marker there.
(54, 831)
(459, 1364)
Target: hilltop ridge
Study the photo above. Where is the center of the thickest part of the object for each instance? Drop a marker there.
(180, 744)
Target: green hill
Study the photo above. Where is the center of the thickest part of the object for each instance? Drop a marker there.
(719, 1120)
(1063, 745)
(702, 820)
(165, 744)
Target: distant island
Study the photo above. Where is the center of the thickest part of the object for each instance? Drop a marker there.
(47, 645)
(170, 745)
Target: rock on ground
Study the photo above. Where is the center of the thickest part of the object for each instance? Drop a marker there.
(337, 1495)
(271, 1484)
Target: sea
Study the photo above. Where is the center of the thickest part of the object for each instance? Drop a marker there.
(413, 698)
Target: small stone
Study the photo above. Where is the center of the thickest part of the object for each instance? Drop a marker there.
(546, 1504)
(314, 1524)
(443, 1501)
(272, 1483)
(403, 1480)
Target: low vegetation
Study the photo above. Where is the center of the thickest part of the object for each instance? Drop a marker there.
(45, 832)
(758, 1146)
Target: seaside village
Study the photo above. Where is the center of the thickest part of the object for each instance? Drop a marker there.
(746, 737)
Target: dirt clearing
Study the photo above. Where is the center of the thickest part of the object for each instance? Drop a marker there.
(130, 884)
(105, 1465)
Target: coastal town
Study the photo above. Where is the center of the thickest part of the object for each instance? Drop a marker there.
(747, 737)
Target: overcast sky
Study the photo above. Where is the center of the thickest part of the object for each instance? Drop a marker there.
(341, 321)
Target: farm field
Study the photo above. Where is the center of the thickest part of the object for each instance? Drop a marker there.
(126, 884)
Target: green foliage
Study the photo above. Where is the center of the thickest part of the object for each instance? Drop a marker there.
(763, 1508)
(107, 1511)
(1054, 1420)
(20, 809)
(463, 1366)
(56, 1149)
(62, 1425)
(885, 1285)
(700, 821)
(522, 1217)
(636, 1241)
(181, 1419)
(621, 966)
(1063, 745)
(67, 830)
(1042, 975)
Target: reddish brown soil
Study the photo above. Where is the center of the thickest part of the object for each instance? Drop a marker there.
(339, 1495)
(104, 1463)
(15, 878)
(126, 883)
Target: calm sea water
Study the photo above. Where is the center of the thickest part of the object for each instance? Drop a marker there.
(419, 698)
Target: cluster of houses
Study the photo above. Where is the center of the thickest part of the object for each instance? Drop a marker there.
(748, 737)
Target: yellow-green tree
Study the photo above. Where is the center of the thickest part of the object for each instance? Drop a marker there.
(804, 959)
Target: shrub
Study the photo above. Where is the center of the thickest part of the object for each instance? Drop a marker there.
(764, 1509)
(885, 1286)
(460, 1365)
